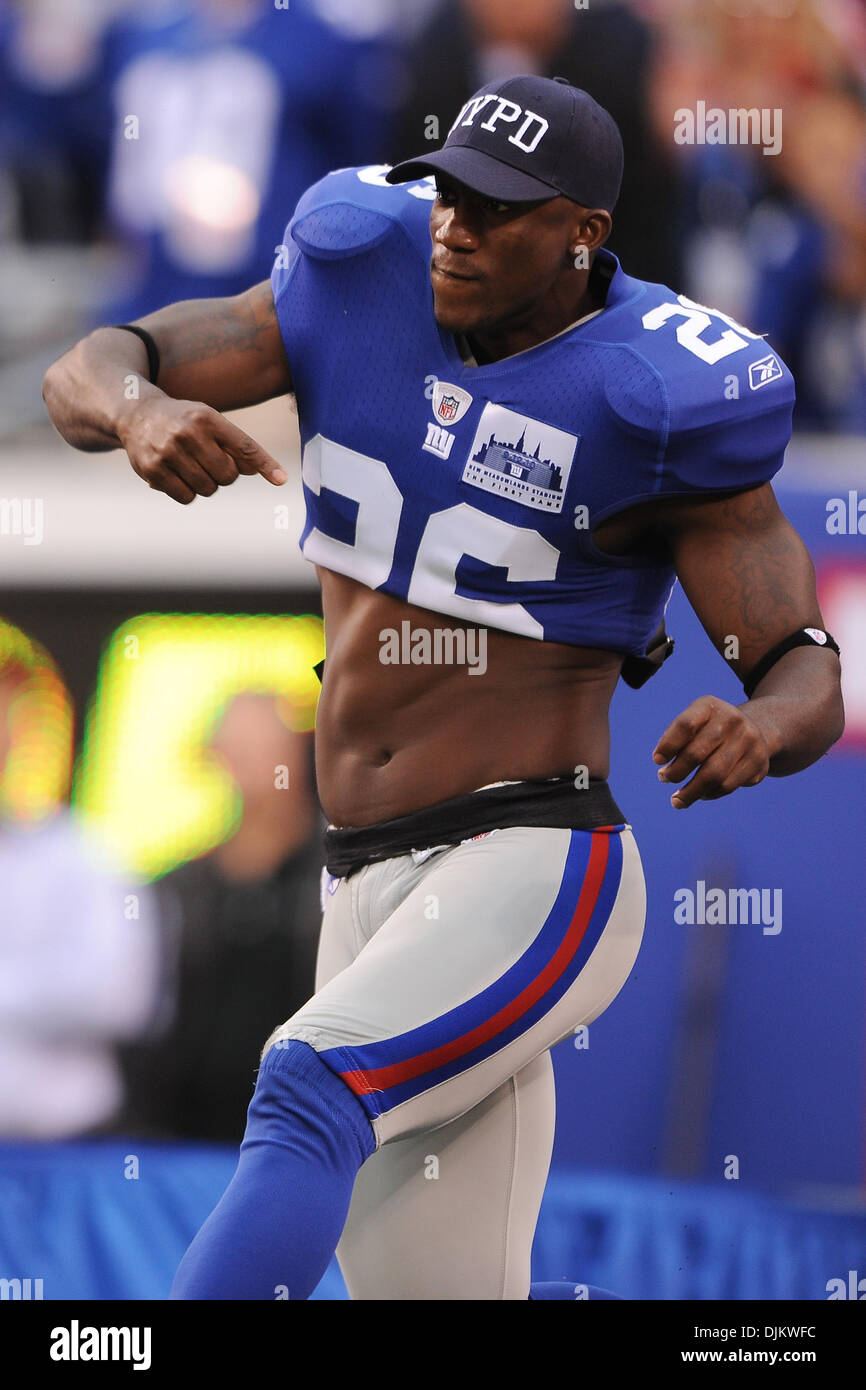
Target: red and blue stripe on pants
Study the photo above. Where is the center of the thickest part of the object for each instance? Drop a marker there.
(385, 1073)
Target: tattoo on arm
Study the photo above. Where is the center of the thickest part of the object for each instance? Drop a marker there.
(757, 579)
(225, 352)
(232, 326)
(748, 574)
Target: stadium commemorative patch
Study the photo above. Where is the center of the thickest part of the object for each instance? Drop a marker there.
(520, 458)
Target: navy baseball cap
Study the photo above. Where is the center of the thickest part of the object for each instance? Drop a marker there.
(522, 139)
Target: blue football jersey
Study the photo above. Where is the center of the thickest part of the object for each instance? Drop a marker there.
(473, 491)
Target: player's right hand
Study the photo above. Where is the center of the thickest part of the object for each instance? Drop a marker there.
(186, 449)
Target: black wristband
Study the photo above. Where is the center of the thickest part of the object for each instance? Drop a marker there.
(803, 637)
(150, 345)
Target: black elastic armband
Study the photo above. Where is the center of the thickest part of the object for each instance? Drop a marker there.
(150, 345)
(636, 670)
(803, 637)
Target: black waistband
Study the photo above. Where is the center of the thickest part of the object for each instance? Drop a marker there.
(555, 803)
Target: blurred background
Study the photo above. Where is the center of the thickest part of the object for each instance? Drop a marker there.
(159, 829)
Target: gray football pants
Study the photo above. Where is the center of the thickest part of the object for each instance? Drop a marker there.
(443, 980)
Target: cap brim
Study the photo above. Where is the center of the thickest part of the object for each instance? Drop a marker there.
(478, 171)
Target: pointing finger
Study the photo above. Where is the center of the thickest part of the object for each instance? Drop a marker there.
(249, 456)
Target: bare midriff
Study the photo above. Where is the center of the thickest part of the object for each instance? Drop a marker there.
(394, 736)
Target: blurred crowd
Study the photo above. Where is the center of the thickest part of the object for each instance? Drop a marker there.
(141, 1008)
(78, 949)
(155, 152)
(150, 153)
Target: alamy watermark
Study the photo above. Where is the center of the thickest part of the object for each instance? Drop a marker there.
(440, 647)
(77, 1343)
(22, 516)
(729, 907)
(851, 1288)
(22, 1290)
(736, 126)
(846, 516)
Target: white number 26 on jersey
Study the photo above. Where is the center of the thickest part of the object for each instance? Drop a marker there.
(697, 319)
(448, 535)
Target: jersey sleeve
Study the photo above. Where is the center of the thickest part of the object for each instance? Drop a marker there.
(346, 213)
(691, 426)
(729, 427)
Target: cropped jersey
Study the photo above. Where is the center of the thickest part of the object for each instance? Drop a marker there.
(473, 491)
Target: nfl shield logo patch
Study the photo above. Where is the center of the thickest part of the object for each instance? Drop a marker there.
(450, 403)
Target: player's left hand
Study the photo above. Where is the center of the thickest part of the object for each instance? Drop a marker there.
(722, 741)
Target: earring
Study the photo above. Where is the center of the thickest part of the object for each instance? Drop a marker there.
(579, 254)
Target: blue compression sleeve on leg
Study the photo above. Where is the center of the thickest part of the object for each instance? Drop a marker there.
(278, 1222)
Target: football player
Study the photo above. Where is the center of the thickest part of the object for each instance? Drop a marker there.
(511, 451)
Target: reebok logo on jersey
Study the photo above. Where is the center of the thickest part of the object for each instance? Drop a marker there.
(521, 459)
(768, 369)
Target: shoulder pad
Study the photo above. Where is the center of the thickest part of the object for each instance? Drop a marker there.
(351, 210)
(731, 427)
(340, 229)
(714, 369)
(713, 394)
(635, 392)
